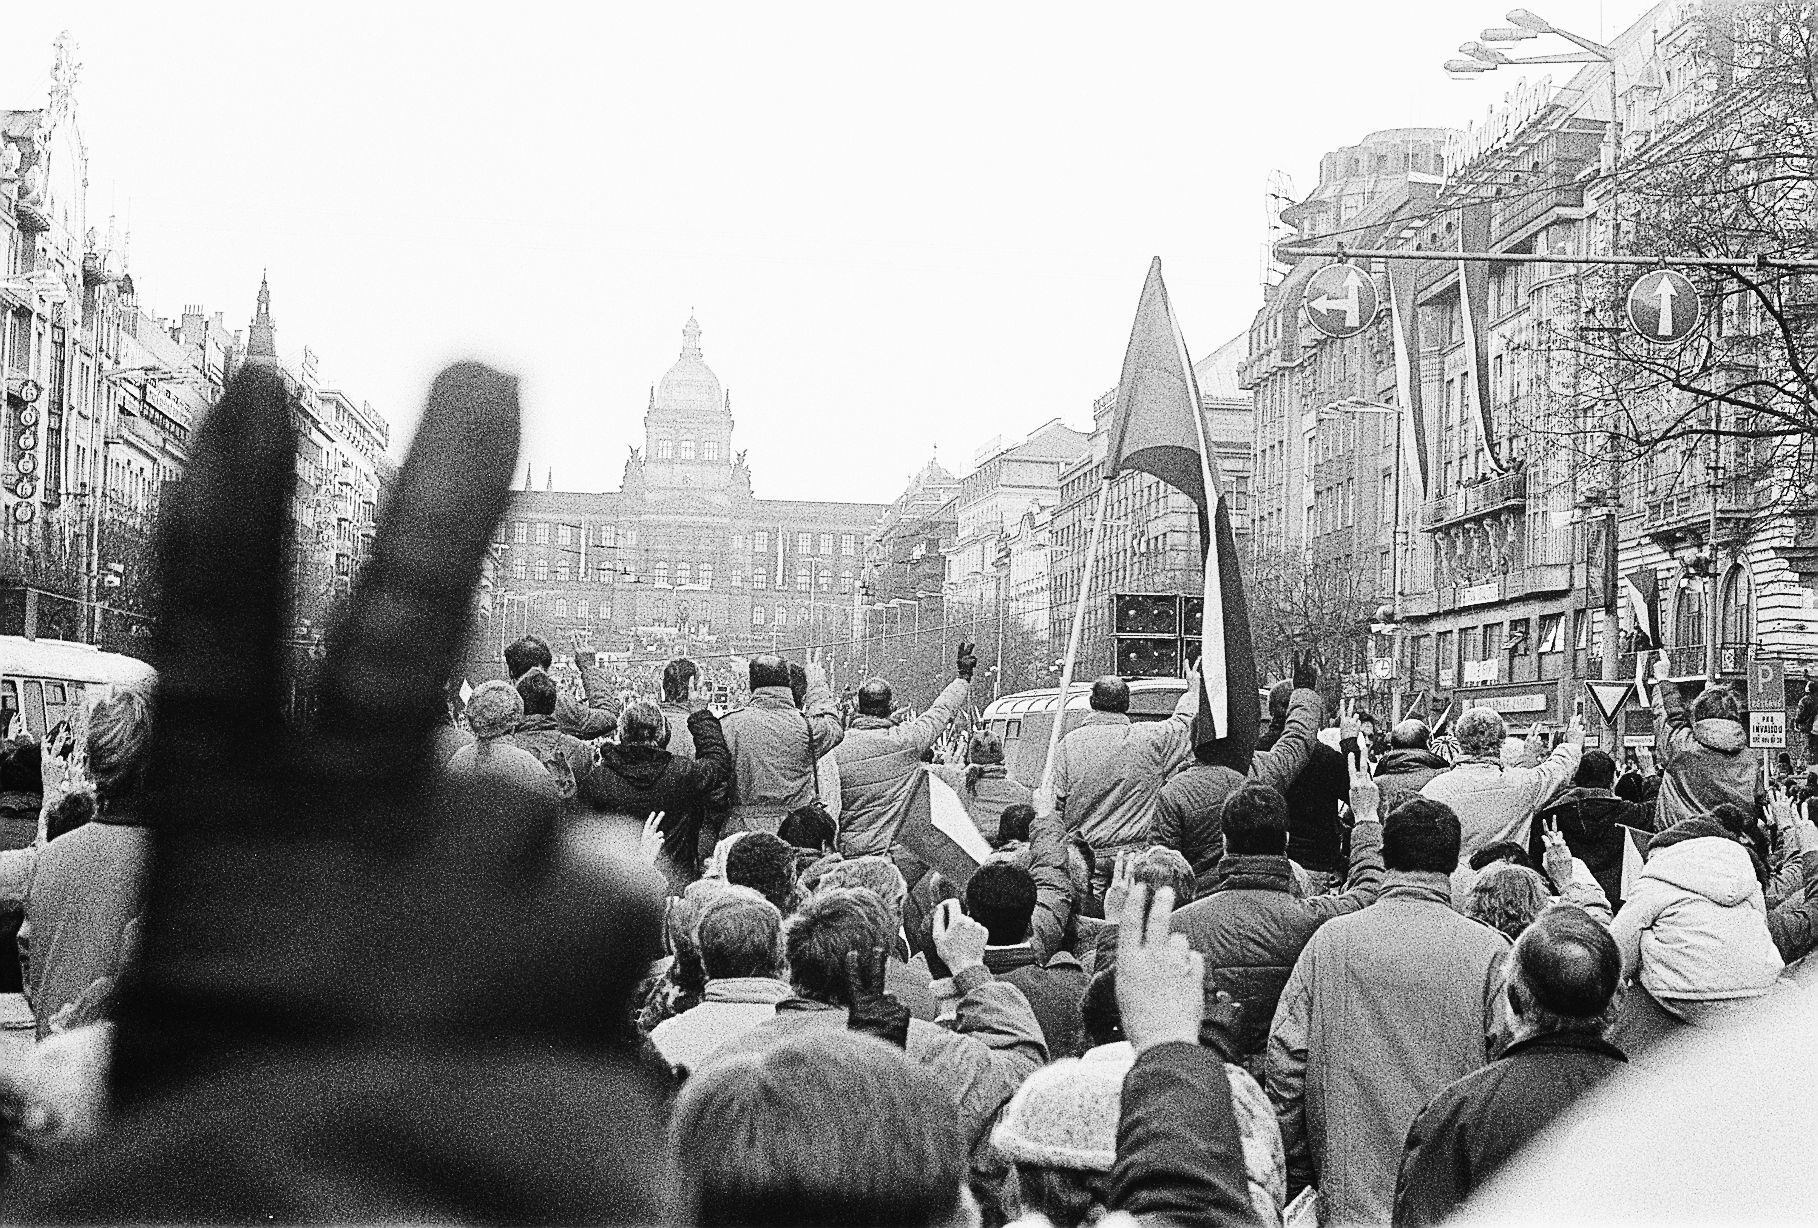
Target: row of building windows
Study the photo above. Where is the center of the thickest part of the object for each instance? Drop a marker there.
(541, 532)
(685, 449)
(684, 572)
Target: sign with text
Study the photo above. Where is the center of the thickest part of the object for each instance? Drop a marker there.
(1767, 730)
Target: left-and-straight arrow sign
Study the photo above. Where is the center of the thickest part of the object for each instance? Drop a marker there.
(1341, 300)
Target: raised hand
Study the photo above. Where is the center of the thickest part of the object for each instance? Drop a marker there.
(874, 1011)
(1123, 877)
(966, 661)
(650, 844)
(1160, 978)
(1366, 794)
(1555, 857)
(958, 939)
(1350, 728)
(309, 959)
(1306, 671)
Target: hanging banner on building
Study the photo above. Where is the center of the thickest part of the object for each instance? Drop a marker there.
(1474, 303)
(1404, 312)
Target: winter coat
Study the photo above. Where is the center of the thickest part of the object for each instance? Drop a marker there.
(584, 721)
(1400, 774)
(1109, 771)
(994, 1045)
(731, 1007)
(1702, 764)
(1251, 928)
(85, 892)
(1695, 926)
(638, 781)
(1595, 824)
(1496, 803)
(681, 742)
(1054, 989)
(774, 747)
(986, 799)
(1385, 1008)
(1473, 1127)
(1805, 716)
(565, 757)
(1189, 814)
(880, 766)
(498, 759)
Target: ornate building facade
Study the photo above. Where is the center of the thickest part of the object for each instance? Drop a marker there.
(683, 558)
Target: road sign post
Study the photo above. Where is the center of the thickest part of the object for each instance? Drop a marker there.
(1767, 730)
(1609, 697)
(1663, 307)
(1341, 300)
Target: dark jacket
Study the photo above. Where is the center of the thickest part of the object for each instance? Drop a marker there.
(1470, 1129)
(639, 780)
(1054, 989)
(1401, 774)
(1189, 814)
(542, 736)
(1251, 930)
(1314, 834)
(1594, 823)
(1180, 1159)
(1702, 763)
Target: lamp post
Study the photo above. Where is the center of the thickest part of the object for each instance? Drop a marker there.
(1398, 531)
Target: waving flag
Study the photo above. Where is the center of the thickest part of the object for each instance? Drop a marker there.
(1641, 588)
(941, 832)
(1474, 300)
(1158, 427)
(1405, 312)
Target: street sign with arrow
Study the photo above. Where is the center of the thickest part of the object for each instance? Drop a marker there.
(1663, 307)
(1610, 697)
(1341, 300)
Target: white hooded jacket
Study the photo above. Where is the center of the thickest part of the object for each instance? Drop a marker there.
(1696, 924)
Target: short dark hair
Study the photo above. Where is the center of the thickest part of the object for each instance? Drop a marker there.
(1421, 835)
(1015, 823)
(829, 1128)
(538, 691)
(531, 652)
(1410, 735)
(1366, 717)
(1566, 968)
(1000, 896)
(1255, 821)
(829, 926)
(1502, 850)
(739, 933)
(874, 698)
(1596, 770)
(676, 677)
(642, 723)
(1279, 695)
(1099, 1012)
(1159, 866)
(768, 670)
(70, 812)
(1110, 694)
(766, 864)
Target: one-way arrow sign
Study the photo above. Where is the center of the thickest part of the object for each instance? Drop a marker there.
(1663, 307)
(1341, 300)
(1610, 697)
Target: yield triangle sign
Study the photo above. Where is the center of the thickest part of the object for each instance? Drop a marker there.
(1609, 697)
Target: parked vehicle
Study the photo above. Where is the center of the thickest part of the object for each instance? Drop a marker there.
(51, 680)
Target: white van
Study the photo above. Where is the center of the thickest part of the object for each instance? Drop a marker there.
(51, 680)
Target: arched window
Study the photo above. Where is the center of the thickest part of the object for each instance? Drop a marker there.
(542, 570)
(580, 609)
(682, 572)
(782, 616)
(826, 580)
(1688, 614)
(660, 571)
(1737, 619)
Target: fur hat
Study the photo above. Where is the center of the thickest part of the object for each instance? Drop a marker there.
(494, 709)
(1065, 1116)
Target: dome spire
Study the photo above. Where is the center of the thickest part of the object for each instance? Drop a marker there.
(691, 337)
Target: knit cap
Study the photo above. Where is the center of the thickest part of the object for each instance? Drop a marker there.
(494, 710)
(1065, 1116)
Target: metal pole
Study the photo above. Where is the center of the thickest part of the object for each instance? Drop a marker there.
(1711, 587)
(1397, 535)
(1289, 254)
(1079, 617)
(997, 676)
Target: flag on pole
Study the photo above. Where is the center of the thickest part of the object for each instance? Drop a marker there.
(1158, 427)
(1474, 299)
(941, 832)
(1641, 588)
(1405, 317)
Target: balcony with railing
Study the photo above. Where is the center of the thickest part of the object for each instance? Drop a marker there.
(1674, 517)
(1470, 502)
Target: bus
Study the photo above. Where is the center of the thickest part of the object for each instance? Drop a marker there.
(1024, 720)
(51, 680)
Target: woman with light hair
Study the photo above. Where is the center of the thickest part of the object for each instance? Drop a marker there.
(1507, 897)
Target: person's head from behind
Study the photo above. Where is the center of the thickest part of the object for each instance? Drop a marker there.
(1279, 695)
(1059, 1133)
(678, 679)
(1013, 825)
(1481, 733)
(766, 864)
(829, 926)
(1507, 897)
(1157, 867)
(875, 698)
(70, 812)
(119, 730)
(538, 691)
(494, 709)
(642, 723)
(1098, 1010)
(1110, 694)
(1564, 973)
(1000, 896)
(1717, 703)
(984, 748)
(1367, 722)
(768, 670)
(1421, 836)
(1596, 770)
(1410, 735)
(832, 1128)
(740, 934)
(531, 652)
(1256, 821)
(1501, 851)
(875, 874)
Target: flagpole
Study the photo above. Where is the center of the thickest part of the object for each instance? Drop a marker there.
(1079, 618)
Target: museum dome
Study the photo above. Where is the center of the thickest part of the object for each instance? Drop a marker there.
(689, 384)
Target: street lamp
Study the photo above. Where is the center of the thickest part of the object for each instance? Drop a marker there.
(1482, 57)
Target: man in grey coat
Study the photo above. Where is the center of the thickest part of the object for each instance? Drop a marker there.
(880, 761)
(1384, 1009)
(775, 745)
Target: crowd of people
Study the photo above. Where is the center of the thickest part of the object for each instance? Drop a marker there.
(534, 955)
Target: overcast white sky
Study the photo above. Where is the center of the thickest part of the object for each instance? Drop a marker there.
(899, 226)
